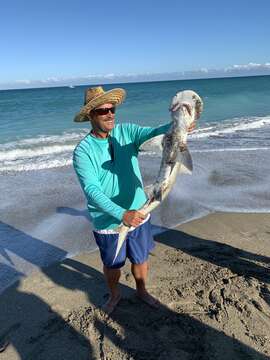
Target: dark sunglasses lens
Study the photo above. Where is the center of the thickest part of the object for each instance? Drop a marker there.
(105, 111)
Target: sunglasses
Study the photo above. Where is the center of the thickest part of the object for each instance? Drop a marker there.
(104, 111)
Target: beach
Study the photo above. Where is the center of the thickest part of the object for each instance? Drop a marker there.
(211, 276)
(210, 266)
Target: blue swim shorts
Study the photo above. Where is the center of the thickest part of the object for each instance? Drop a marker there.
(139, 242)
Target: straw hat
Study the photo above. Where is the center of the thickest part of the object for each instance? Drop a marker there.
(96, 96)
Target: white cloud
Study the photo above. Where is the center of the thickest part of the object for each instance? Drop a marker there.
(52, 79)
(91, 76)
(109, 76)
(250, 68)
(26, 82)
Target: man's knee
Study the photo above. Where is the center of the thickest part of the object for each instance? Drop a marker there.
(139, 270)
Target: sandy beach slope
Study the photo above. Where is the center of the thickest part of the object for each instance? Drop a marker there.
(211, 275)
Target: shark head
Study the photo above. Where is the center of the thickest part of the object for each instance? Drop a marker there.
(186, 107)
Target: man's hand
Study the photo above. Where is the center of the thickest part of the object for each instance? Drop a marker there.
(133, 218)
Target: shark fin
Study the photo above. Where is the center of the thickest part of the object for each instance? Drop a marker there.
(186, 163)
(123, 231)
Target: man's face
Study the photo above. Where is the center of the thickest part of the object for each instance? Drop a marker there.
(102, 119)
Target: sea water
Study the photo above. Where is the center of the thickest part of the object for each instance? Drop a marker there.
(42, 208)
(37, 131)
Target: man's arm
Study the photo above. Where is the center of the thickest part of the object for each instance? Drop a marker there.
(140, 134)
(91, 185)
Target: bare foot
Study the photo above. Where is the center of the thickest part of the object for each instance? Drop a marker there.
(148, 299)
(111, 304)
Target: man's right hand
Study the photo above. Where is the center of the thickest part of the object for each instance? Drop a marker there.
(133, 218)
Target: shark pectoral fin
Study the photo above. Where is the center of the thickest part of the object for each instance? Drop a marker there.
(185, 160)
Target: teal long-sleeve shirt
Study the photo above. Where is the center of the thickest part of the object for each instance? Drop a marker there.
(109, 173)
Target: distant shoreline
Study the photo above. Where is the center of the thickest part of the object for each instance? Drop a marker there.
(118, 82)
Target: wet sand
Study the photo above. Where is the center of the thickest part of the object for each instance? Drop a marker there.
(212, 276)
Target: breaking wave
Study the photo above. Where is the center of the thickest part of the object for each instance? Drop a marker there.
(44, 152)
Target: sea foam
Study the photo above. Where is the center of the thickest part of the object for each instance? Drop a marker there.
(56, 151)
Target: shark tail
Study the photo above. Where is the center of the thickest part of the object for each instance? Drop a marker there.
(123, 231)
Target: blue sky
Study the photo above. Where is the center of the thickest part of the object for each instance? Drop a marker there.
(46, 42)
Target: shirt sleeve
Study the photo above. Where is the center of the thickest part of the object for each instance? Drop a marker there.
(140, 134)
(91, 186)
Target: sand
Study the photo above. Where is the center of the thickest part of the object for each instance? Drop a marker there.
(211, 275)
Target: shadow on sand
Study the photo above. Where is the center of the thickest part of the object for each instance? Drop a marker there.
(241, 262)
(135, 331)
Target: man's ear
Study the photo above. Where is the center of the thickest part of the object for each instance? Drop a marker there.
(89, 115)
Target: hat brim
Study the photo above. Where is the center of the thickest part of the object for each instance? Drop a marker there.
(115, 96)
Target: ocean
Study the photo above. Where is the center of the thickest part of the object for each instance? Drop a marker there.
(42, 209)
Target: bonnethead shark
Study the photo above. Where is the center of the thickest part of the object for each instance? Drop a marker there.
(186, 108)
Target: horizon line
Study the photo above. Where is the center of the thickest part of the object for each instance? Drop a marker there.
(136, 82)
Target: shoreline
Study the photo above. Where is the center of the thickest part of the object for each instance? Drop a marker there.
(211, 276)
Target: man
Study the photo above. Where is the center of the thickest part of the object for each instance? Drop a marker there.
(108, 170)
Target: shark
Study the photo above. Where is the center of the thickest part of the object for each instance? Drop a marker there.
(185, 108)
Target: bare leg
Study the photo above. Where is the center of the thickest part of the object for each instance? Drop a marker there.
(139, 272)
(112, 277)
